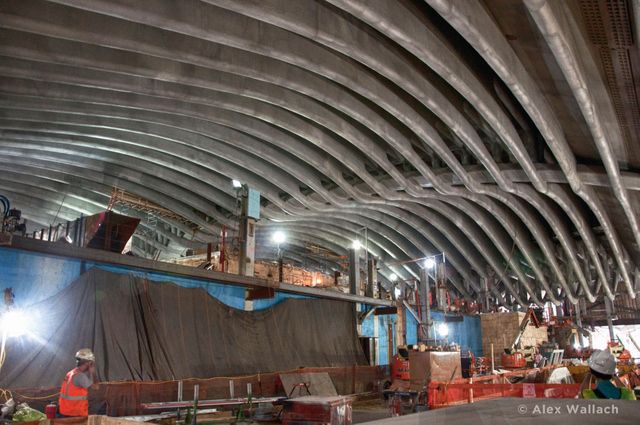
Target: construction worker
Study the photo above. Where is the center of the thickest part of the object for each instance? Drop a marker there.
(602, 365)
(74, 391)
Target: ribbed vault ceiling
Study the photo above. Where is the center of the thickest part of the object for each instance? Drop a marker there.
(489, 130)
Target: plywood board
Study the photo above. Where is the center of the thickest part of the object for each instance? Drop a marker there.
(318, 383)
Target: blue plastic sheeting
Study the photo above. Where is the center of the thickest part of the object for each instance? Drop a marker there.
(233, 296)
(383, 337)
(270, 302)
(35, 277)
(467, 333)
(411, 329)
(382, 324)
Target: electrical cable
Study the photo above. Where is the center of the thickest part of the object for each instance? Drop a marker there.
(6, 395)
(3, 350)
(6, 206)
(59, 208)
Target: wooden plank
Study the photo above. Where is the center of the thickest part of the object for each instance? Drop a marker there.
(381, 311)
(319, 384)
(260, 294)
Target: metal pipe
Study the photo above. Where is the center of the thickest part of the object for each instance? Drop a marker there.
(223, 247)
(578, 315)
(609, 311)
(493, 366)
(426, 312)
(575, 61)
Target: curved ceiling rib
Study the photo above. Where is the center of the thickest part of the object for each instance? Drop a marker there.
(480, 31)
(416, 119)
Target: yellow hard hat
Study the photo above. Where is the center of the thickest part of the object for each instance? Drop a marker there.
(85, 354)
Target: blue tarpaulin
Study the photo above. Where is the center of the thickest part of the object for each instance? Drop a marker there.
(35, 277)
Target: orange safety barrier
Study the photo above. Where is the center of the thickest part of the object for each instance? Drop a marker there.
(443, 394)
(124, 398)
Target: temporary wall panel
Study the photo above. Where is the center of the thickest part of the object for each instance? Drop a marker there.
(144, 330)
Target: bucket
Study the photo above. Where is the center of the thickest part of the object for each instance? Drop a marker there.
(50, 410)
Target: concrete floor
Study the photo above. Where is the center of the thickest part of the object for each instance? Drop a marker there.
(517, 411)
(369, 410)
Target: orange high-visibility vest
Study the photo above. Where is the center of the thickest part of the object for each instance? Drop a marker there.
(73, 400)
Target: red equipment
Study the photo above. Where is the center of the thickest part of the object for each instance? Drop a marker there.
(515, 360)
(512, 358)
(400, 365)
(50, 410)
(621, 354)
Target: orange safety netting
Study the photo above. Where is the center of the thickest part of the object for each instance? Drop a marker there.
(442, 394)
(125, 397)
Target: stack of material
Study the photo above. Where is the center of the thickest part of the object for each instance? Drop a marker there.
(313, 384)
(500, 329)
(440, 366)
(317, 410)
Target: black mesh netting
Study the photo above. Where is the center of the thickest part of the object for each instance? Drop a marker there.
(150, 331)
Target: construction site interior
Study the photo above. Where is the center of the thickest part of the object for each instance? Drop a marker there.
(315, 212)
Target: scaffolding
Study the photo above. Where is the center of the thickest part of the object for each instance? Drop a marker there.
(153, 210)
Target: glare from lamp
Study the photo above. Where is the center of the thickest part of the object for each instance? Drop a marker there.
(443, 329)
(16, 323)
(429, 263)
(356, 245)
(279, 237)
(236, 183)
(393, 277)
(397, 292)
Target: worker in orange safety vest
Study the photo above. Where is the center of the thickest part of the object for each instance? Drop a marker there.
(74, 391)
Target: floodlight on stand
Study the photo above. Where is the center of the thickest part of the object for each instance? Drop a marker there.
(15, 323)
(236, 183)
(393, 277)
(429, 263)
(279, 237)
(443, 329)
(356, 245)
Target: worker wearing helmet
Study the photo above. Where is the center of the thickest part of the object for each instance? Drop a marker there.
(74, 391)
(602, 365)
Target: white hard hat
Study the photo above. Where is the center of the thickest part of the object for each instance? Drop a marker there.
(85, 354)
(602, 361)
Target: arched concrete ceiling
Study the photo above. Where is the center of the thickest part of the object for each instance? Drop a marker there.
(495, 131)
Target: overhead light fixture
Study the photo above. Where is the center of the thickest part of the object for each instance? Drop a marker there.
(356, 245)
(279, 237)
(443, 329)
(393, 277)
(397, 292)
(429, 263)
(236, 183)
